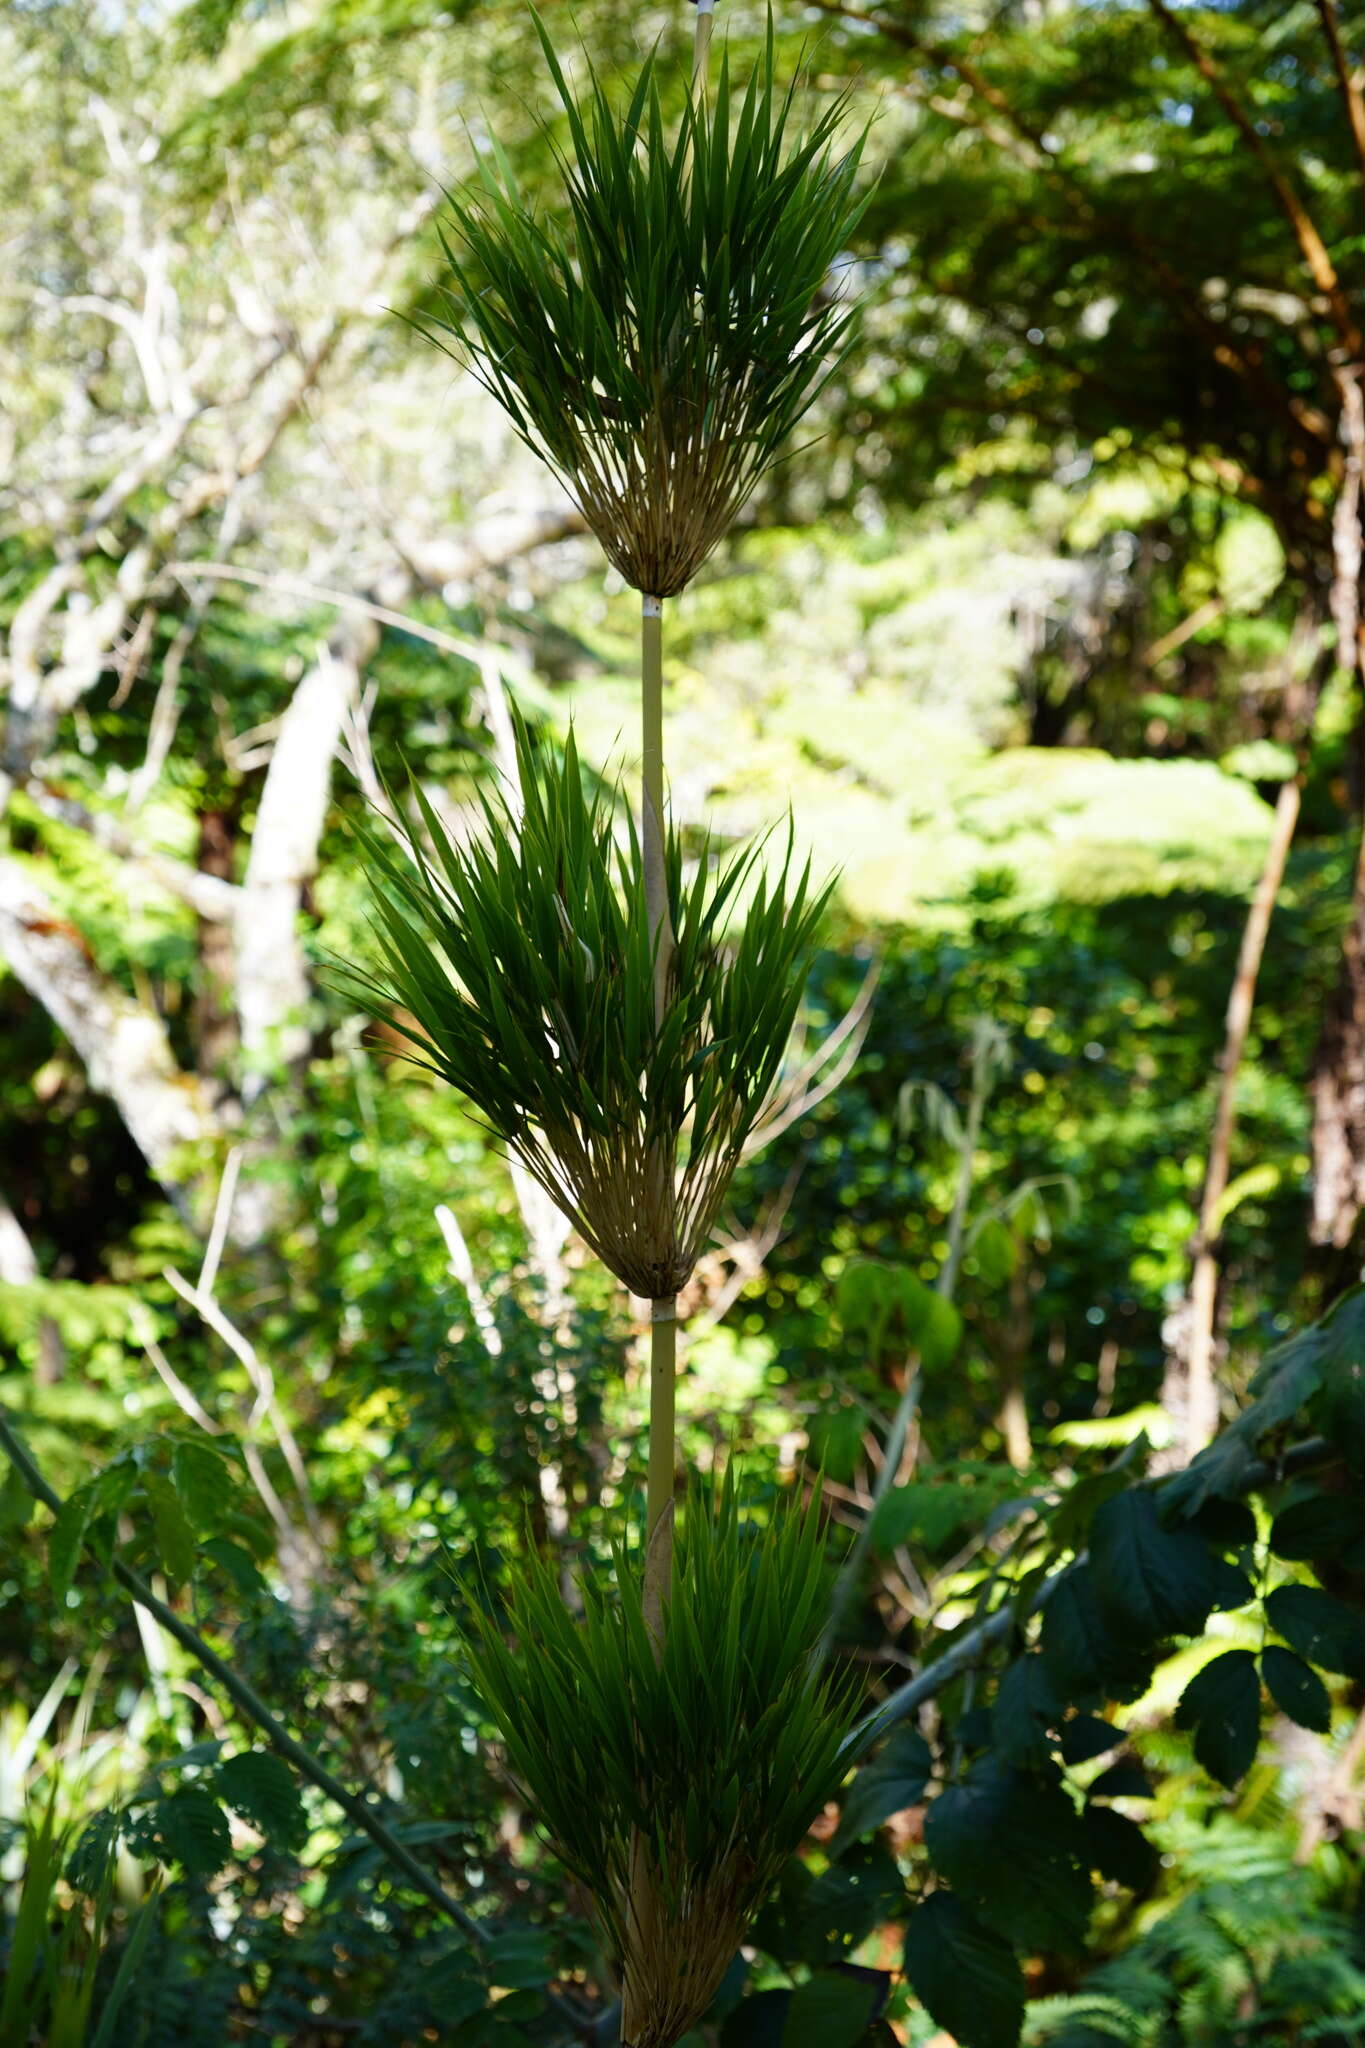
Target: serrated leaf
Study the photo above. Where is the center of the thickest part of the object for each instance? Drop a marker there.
(1323, 1629)
(174, 1537)
(1086, 1736)
(1118, 1849)
(847, 1901)
(1026, 1707)
(91, 1860)
(1088, 1659)
(831, 2010)
(967, 1979)
(1296, 1689)
(1124, 1780)
(1322, 1526)
(237, 1563)
(260, 1787)
(189, 1828)
(67, 1540)
(1222, 1703)
(1009, 1846)
(893, 1781)
(206, 1483)
(1153, 1580)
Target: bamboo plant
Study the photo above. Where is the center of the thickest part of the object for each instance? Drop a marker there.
(656, 345)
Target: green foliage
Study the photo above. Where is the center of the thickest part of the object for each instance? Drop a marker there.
(548, 1025)
(1252, 1954)
(712, 1753)
(967, 1978)
(60, 1954)
(658, 353)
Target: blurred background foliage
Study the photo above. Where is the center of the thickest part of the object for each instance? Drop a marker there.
(1029, 638)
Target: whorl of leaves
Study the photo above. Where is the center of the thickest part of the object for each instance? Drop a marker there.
(675, 1779)
(658, 347)
(525, 959)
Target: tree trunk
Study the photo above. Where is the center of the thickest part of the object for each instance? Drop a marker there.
(1338, 1086)
(1189, 1391)
(19, 1268)
(123, 1046)
(272, 970)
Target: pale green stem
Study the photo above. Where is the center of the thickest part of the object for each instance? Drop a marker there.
(663, 1355)
(652, 795)
(663, 1317)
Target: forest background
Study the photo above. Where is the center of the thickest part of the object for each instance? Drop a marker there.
(1050, 636)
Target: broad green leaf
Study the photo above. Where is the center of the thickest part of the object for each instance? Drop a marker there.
(1026, 1707)
(1124, 1780)
(1118, 1849)
(519, 1959)
(1323, 1526)
(206, 1483)
(1222, 1703)
(893, 1781)
(757, 2022)
(1086, 1736)
(1011, 1847)
(847, 1901)
(68, 1536)
(16, 1502)
(1296, 1688)
(935, 1330)
(831, 2010)
(1150, 1579)
(1088, 1658)
(238, 1564)
(966, 1977)
(260, 1787)
(189, 1828)
(1320, 1627)
(174, 1537)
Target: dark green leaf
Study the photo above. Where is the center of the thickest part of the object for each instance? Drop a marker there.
(893, 1781)
(1152, 1580)
(261, 1788)
(1320, 1627)
(1087, 1658)
(847, 1901)
(1118, 1849)
(831, 2010)
(65, 1543)
(1296, 1689)
(757, 2022)
(1086, 1736)
(1026, 1706)
(1323, 1526)
(1222, 1703)
(967, 1979)
(1124, 1780)
(174, 1537)
(1011, 1847)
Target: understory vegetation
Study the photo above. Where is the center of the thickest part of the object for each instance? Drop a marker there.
(952, 1022)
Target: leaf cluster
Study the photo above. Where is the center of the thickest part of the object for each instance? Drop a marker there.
(658, 347)
(684, 1771)
(524, 958)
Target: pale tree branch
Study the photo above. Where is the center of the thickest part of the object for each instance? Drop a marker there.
(122, 1045)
